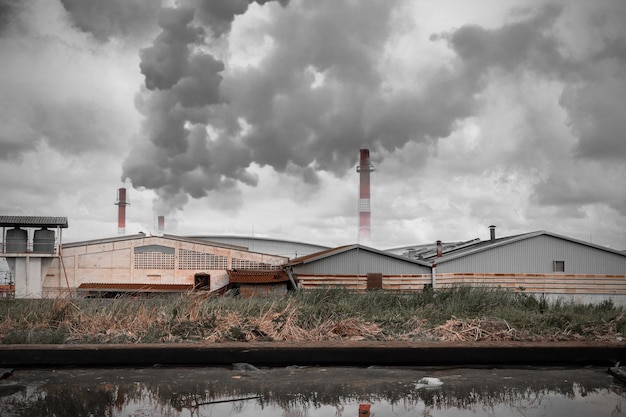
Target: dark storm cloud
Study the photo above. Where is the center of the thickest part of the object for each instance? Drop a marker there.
(8, 9)
(107, 19)
(218, 15)
(527, 44)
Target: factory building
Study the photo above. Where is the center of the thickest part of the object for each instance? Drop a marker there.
(359, 267)
(42, 266)
(539, 262)
(150, 264)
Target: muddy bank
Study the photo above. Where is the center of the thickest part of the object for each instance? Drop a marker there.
(345, 353)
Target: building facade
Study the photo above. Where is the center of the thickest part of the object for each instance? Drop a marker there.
(538, 262)
(144, 261)
(358, 267)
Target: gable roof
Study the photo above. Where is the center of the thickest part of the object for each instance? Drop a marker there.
(347, 248)
(33, 221)
(490, 244)
(142, 235)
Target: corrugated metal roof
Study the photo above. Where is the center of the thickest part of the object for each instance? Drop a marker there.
(341, 249)
(124, 287)
(248, 276)
(33, 221)
(489, 244)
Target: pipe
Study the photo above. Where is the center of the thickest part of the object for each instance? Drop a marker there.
(433, 276)
(492, 232)
(439, 249)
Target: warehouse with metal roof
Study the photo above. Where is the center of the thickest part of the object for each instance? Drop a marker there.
(359, 267)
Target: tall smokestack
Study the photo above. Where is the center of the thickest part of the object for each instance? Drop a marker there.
(364, 168)
(160, 225)
(121, 204)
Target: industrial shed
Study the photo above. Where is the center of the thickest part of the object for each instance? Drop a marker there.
(141, 263)
(537, 262)
(358, 267)
(251, 283)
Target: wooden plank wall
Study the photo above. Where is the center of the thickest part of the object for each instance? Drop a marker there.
(359, 282)
(539, 283)
(534, 283)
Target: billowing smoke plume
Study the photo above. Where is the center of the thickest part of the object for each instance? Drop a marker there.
(182, 82)
(318, 95)
(324, 88)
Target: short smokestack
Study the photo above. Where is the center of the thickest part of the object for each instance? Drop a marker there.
(160, 225)
(439, 249)
(492, 232)
(121, 204)
(364, 169)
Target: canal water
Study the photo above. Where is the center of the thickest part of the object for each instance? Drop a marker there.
(312, 391)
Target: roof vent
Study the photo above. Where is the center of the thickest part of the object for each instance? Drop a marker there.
(492, 232)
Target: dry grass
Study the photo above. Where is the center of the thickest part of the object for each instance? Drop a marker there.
(489, 329)
(323, 316)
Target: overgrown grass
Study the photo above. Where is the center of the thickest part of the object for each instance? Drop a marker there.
(462, 313)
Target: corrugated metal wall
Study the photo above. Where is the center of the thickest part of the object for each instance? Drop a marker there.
(536, 255)
(360, 262)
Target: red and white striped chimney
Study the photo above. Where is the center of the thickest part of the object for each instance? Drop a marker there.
(364, 169)
(160, 225)
(121, 204)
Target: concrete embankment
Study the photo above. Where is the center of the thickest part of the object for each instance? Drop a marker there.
(318, 353)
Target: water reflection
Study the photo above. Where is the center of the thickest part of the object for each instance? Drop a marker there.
(297, 391)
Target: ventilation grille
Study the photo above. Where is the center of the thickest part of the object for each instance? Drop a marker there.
(247, 264)
(197, 260)
(154, 260)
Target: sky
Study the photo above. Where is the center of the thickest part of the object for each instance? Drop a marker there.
(241, 117)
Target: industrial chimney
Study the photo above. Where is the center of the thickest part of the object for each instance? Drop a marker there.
(364, 168)
(160, 225)
(121, 204)
(492, 233)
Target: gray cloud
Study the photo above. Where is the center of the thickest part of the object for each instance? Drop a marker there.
(107, 19)
(593, 92)
(528, 44)
(322, 91)
(318, 95)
